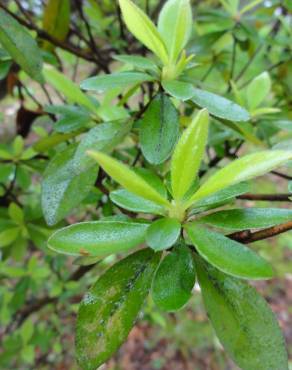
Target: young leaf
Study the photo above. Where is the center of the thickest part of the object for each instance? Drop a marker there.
(21, 46)
(242, 169)
(120, 80)
(179, 89)
(143, 29)
(257, 90)
(98, 238)
(127, 178)
(109, 310)
(163, 233)
(137, 61)
(134, 203)
(219, 106)
(188, 154)
(228, 255)
(248, 218)
(174, 279)
(68, 88)
(159, 129)
(175, 26)
(64, 186)
(244, 323)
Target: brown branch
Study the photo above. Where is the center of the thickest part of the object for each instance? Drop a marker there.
(267, 197)
(247, 236)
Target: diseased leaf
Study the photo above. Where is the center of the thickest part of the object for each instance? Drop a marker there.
(219, 106)
(174, 279)
(98, 238)
(163, 233)
(140, 25)
(21, 46)
(228, 255)
(159, 129)
(134, 203)
(175, 26)
(257, 90)
(64, 187)
(188, 154)
(120, 80)
(68, 88)
(109, 310)
(244, 323)
(248, 218)
(242, 169)
(128, 178)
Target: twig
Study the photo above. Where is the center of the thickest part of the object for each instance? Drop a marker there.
(267, 197)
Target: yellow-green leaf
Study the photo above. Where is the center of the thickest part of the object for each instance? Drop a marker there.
(122, 174)
(141, 26)
(188, 154)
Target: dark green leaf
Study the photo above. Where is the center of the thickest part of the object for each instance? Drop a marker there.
(134, 203)
(21, 46)
(243, 321)
(174, 279)
(163, 233)
(109, 310)
(248, 218)
(98, 238)
(228, 255)
(159, 129)
(64, 187)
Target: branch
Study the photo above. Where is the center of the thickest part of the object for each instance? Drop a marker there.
(247, 236)
(268, 197)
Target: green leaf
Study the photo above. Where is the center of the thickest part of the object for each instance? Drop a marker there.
(21, 46)
(242, 169)
(16, 213)
(163, 233)
(141, 26)
(219, 106)
(109, 310)
(68, 88)
(248, 218)
(104, 136)
(98, 238)
(257, 90)
(137, 61)
(120, 80)
(8, 236)
(64, 186)
(228, 255)
(175, 26)
(244, 323)
(127, 178)
(188, 154)
(174, 279)
(134, 203)
(159, 129)
(178, 89)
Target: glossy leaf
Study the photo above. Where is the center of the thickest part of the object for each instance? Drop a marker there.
(109, 310)
(219, 106)
(179, 89)
(159, 129)
(248, 218)
(120, 80)
(68, 88)
(64, 186)
(242, 169)
(134, 203)
(174, 279)
(228, 255)
(127, 178)
(257, 90)
(16, 40)
(175, 26)
(244, 323)
(163, 233)
(188, 154)
(141, 26)
(98, 238)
